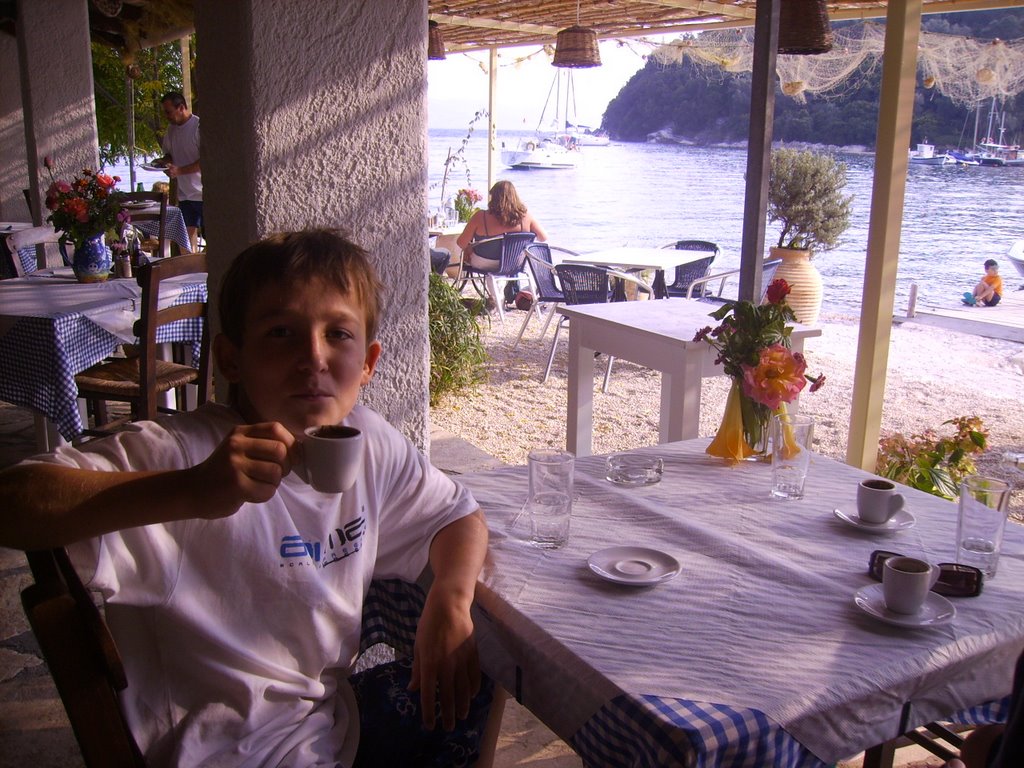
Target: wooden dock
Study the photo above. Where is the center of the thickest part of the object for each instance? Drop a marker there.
(1004, 321)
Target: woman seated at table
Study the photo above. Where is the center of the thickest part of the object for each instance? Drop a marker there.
(480, 241)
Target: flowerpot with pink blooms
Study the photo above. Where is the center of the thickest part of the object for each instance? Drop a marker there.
(753, 345)
(87, 213)
(805, 195)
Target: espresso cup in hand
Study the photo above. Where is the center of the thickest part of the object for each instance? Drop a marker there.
(877, 500)
(905, 583)
(332, 457)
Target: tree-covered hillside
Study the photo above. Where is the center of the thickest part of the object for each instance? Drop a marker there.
(683, 100)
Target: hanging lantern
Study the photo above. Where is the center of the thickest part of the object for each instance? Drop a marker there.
(109, 8)
(985, 75)
(576, 47)
(435, 42)
(928, 82)
(804, 27)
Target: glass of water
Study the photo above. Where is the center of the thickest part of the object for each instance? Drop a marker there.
(791, 454)
(984, 505)
(549, 502)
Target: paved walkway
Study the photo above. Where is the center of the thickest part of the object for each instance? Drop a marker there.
(35, 732)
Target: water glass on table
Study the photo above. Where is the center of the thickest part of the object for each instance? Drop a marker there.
(984, 505)
(549, 502)
(791, 454)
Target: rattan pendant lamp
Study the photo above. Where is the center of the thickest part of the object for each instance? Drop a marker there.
(576, 46)
(804, 28)
(435, 42)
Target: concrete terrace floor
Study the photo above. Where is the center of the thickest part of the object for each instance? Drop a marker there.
(34, 729)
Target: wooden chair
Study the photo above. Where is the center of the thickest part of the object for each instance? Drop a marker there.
(82, 659)
(157, 246)
(140, 379)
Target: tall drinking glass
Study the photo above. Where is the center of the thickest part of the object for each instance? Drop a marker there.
(984, 504)
(549, 504)
(791, 454)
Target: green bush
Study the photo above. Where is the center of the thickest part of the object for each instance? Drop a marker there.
(805, 193)
(931, 463)
(457, 355)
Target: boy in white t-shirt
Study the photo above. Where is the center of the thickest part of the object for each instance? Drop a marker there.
(233, 588)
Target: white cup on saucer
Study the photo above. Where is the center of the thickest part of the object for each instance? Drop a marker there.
(906, 582)
(332, 457)
(877, 500)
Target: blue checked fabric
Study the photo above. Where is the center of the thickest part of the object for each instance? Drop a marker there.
(27, 257)
(656, 732)
(174, 228)
(391, 612)
(41, 356)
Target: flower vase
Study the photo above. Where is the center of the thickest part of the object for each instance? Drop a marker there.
(92, 261)
(743, 433)
(804, 281)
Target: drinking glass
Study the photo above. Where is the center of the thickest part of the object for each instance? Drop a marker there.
(549, 502)
(984, 504)
(791, 454)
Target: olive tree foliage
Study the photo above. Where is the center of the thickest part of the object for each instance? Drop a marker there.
(158, 70)
(805, 194)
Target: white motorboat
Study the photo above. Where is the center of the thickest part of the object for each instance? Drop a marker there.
(588, 137)
(925, 155)
(1016, 256)
(539, 153)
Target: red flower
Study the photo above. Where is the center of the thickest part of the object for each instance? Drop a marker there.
(778, 291)
(48, 163)
(77, 208)
(816, 383)
(104, 181)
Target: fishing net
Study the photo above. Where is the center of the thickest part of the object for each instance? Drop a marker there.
(964, 69)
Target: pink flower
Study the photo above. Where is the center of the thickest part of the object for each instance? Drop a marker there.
(777, 378)
(48, 163)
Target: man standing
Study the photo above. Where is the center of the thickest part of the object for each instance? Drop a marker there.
(181, 160)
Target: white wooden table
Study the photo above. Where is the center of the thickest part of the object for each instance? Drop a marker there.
(655, 334)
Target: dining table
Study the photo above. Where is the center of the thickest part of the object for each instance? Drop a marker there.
(699, 622)
(53, 327)
(174, 227)
(655, 334)
(639, 259)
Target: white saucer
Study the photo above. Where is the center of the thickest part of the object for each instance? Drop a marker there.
(151, 167)
(898, 522)
(636, 566)
(937, 611)
(134, 206)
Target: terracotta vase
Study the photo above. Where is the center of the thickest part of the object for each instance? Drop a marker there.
(799, 271)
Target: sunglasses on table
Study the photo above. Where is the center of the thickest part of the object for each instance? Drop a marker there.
(955, 580)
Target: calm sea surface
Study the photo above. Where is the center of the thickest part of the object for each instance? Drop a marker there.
(652, 194)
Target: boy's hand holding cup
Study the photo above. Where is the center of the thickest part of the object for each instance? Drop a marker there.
(332, 457)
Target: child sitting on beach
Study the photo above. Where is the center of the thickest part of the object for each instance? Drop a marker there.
(234, 589)
(989, 289)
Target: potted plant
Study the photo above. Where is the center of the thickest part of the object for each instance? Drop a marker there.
(805, 194)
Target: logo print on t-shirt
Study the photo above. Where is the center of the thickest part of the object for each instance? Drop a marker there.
(342, 542)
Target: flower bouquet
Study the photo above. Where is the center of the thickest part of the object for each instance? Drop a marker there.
(753, 344)
(84, 211)
(465, 203)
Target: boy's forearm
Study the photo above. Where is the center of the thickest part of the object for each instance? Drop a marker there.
(50, 506)
(457, 557)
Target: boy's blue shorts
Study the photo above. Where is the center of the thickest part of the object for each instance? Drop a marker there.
(391, 728)
(993, 301)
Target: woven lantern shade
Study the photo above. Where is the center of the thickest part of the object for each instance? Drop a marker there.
(804, 27)
(435, 42)
(576, 47)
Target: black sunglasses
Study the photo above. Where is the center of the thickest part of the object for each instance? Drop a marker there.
(955, 580)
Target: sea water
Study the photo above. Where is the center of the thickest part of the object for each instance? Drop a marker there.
(653, 194)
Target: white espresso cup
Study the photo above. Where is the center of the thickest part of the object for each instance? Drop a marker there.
(877, 500)
(906, 582)
(332, 457)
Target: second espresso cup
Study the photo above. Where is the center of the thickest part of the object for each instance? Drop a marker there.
(906, 582)
(332, 457)
(877, 500)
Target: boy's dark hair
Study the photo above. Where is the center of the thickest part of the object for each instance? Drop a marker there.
(286, 258)
(176, 99)
(991, 263)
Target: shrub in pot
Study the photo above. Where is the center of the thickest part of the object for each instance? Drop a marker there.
(805, 195)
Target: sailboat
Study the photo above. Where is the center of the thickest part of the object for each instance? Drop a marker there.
(555, 147)
(989, 151)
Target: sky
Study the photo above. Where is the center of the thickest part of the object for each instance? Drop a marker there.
(457, 86)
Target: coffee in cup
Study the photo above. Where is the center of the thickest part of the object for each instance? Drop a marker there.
(906, 582)
(332, 457)
(877, 500)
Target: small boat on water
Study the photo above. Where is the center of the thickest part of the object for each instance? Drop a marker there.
(588, 137)
(1016, 256)
(925, 155)
(962, 158)
(541, 153)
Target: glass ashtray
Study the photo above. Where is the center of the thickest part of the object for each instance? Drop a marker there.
(633, 469)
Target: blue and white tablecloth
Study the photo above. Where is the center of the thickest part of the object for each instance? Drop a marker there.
(174, 228)
(52, 327)
(756, 654)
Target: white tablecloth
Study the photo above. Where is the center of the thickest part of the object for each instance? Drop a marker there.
(761, 620)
